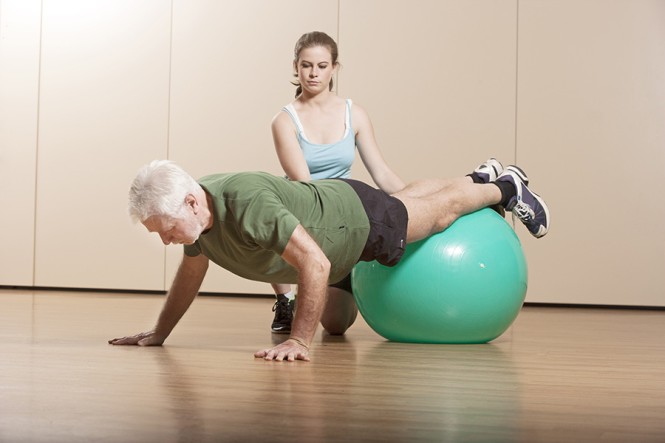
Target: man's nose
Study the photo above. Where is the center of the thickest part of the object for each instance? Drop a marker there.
(165, 239)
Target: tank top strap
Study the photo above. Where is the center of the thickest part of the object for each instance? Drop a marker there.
(289, 109)
(348, 117)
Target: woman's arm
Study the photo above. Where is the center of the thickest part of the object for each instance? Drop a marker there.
(288, 149)
(383, 176)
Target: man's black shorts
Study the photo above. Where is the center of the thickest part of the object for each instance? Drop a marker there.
(388, 221)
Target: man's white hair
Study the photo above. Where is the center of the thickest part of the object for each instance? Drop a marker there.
(160, 188)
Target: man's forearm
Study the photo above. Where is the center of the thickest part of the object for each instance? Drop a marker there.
(313, 267)
(184, 289)
(312, 296)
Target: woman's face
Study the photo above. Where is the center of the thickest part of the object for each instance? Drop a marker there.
(315, 69)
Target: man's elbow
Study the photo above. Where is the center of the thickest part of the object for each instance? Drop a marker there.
(322, 265)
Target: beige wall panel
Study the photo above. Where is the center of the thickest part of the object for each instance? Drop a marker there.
(19, 83)
(231, 73)
(591, 133)
(437, 78)
(103, 113)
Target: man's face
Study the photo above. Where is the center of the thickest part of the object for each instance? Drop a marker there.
(183, 230)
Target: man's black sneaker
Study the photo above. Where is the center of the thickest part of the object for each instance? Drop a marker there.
(283, 309)
(526, 205)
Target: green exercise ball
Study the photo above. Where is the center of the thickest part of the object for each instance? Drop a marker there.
(463, 285)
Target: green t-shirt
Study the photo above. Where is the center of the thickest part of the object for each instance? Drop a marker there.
(255, 214)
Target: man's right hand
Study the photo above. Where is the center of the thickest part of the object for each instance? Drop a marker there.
(149, 338)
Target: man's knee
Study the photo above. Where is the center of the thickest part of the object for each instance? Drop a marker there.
(445, 220)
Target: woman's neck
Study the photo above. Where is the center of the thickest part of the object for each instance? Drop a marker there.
(319, 100)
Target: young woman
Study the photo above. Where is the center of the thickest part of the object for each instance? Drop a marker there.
(316, 137)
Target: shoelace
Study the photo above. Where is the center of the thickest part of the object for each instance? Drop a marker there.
(524, 212)
(284, 308)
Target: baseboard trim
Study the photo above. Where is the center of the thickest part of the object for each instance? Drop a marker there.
(258, 295)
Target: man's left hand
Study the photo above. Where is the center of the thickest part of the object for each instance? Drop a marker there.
(290, 350)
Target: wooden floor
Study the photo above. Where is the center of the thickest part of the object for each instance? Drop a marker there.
(557, 375)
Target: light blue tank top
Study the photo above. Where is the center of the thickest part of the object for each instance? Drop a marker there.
(327, 160)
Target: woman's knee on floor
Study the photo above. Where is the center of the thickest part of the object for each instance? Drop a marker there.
(340, 311)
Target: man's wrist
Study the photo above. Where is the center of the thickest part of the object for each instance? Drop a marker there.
(300, 342)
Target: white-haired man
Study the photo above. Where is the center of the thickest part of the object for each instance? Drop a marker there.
(270, 229)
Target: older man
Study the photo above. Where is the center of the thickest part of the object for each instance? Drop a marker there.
(267, 228)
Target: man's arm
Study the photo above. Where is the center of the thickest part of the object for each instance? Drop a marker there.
(183, 290)
(304, 254)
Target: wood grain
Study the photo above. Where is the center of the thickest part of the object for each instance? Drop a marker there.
(558, 374)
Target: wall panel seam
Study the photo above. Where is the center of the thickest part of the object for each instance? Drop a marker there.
(37, 141)
(165, 283)
(517, 67)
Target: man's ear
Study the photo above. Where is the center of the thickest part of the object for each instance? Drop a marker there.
(192, 203)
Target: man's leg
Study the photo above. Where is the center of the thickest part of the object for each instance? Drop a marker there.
(486, 172)
(441, 202)
(427, 187)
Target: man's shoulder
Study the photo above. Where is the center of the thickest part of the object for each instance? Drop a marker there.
(242, 184)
